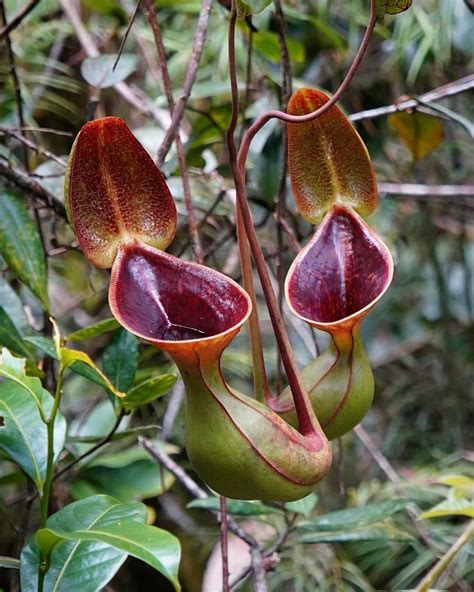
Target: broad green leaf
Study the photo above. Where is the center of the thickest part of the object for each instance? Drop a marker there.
(9, 563)
(371, 533)
(420, 132)
(11, 338)
(354, 517)
(44, 343)
(247, 7)
(303, 506)
(23, 434)
(120, 360)
(13, 306)
(94, 330)
(451, 507)
(121, 526)
(84, 566)
(14, 369)
(137, 480)
(148, 391)
(235, 507)
(98, 71)
(20, 245)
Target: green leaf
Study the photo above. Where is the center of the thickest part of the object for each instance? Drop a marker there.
(98, 71)
(372, 533)
(420, 132)
(9, 563)
(120, 360)
(20, 245)
(44, 343)
(451, 507)
(247, 7)
(70, 357)
(135, 481)
(14, 369)
(148, 391)
(104, 520)
(303, 506)
(267, 44)
(14, 307)
(354, 517)
(94, 330)
(235, 507)
(11, 338)
(23, 434)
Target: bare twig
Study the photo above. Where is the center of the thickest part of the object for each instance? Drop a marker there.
(415, 189)
(224, 544)
(126, 34)
(32, 146)
(21, 179)
(442, 92)
(17, 19)
(198, 46)
(194, 489)
(167, 85)
(428, 582)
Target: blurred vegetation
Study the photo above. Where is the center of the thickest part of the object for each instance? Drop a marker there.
(420, 337)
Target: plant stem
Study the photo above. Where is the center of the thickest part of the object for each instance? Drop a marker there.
(44, 504)
(436, 571)
(45, 497)
(224, 544)
(261, 388)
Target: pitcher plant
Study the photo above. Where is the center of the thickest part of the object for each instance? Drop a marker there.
(124, 217)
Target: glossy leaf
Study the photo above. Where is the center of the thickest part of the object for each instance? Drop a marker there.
(20, 245)
(420, 132)
(235, 507)
(328, 162)
(94, 330)
(11, 338)
(354, 517)
(98, 71)
(75, 565)
(121, 526)
(23, 434)
(115, 193)
(148, 391)
(120, 360)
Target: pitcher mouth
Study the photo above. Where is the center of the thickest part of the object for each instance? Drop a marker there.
(341, 273)
(163, 299)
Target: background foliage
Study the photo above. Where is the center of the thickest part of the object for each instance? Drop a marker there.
(414, 451)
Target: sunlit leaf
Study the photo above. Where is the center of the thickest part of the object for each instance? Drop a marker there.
(451, 507)
(420, 132)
